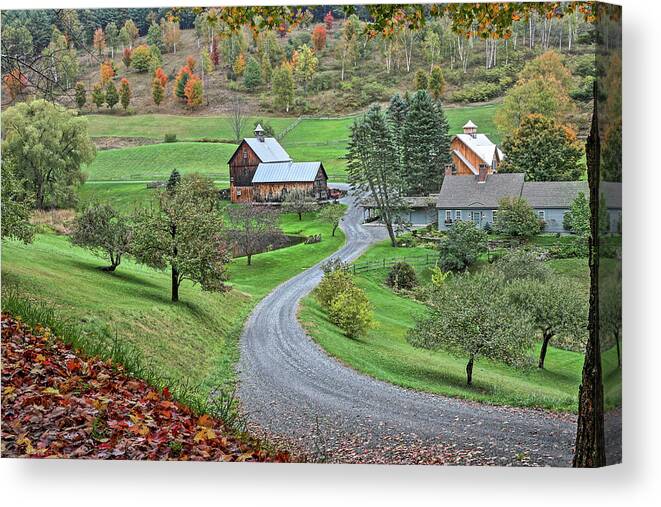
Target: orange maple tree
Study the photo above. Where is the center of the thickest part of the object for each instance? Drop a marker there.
(106, 71)
(319, 37)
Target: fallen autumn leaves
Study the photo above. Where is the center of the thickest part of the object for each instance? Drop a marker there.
(56, 404)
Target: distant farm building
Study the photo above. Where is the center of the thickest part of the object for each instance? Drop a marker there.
(473, 153)
(262, 171)
(477, 199)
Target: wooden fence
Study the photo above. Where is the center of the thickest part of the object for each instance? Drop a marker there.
(371, 265)
(430, 259)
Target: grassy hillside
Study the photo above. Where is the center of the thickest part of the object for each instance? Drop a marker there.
(186, 128)
(385, 354)
(156, 161)
(196, 339)
(124, 197)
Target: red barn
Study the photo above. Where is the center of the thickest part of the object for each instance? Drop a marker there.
(262, 171)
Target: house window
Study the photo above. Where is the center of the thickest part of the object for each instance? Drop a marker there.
(541, 214)
(457, 214)
(245, 153)
(454, 169)
(448, 216)
(493, 215)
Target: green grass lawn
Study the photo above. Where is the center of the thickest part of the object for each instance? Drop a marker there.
(187, 128)
(156, 161)
(385, 354)
(196, 339)
(310, 140)
(124, 197)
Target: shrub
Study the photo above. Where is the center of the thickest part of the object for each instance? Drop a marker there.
(520, 264)
(402, 276)
(351, 311)
(462, 246)
(334, 282)
(170, 138)
(479, 92)
(141, 58)
(516, 218)
(575, 247)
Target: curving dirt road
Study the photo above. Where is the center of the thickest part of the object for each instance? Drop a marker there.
(297, 395)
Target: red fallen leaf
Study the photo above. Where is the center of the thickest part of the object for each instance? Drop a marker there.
(73, 365)
(99, 412)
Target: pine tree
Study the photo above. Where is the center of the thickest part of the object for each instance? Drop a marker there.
(436, 83)
(173, 181)
(155, 36)
(421, 80)
(180, 85)
(425, 145)
(157, 91)
(373, 165)
(112, 97)
(124, 93)
(396, 115)
(98, 96)
(252, 77)
(81, 95)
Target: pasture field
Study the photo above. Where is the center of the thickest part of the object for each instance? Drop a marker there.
(311, 140)
(156, 161)
(186, 128)
(385, 354)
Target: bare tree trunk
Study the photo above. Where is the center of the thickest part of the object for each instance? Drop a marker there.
(175, 284)
(469, 371)
(545, 344)
(590, 442)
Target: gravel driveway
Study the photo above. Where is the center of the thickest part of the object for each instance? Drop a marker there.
(295, 394)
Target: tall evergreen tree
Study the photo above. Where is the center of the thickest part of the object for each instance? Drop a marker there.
(373, 166)
(425, 145)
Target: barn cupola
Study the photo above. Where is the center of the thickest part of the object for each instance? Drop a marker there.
(259, 133)
(470, 128)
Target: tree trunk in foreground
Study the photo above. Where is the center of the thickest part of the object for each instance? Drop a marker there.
(545, 345)
(590, 442)
(175, 284)
(391, 233)
(469, 372)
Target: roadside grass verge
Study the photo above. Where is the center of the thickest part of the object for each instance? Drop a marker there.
(385, 354)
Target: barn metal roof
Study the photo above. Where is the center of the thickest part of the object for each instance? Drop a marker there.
(280, 172)
(268, 150)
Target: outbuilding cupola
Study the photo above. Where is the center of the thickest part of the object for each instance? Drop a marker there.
(470, 128)
(259, 133)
